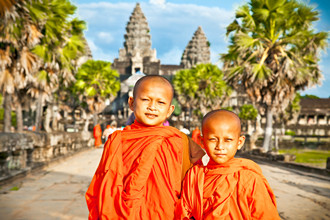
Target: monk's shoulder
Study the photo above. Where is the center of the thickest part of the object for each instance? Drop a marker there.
(250, 172)
(196, 170)
(247, 164)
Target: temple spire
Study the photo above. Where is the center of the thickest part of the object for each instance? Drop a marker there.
(137, 43)
(197, 50)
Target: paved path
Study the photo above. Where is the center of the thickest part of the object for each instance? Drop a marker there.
(57, 192)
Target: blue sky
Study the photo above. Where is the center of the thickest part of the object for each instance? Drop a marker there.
(172, 24)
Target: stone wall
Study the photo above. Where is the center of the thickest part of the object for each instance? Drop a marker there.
(21, 152)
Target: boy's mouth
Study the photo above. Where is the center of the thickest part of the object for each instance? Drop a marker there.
(150, 115)
(220, 155)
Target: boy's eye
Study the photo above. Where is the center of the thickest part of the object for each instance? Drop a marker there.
(212, 139)
(229, 139)
(160, 102)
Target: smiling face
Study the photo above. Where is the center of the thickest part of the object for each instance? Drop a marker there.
(221, 136)
(152, 99)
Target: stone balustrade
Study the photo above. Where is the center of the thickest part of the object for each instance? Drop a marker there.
(20, 152)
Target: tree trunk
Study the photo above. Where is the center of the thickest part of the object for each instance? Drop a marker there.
(47, 119)
(39, 112)
(86, 118)
(7, 112)
(19, 117)
(254, 136)
(268, 130)
(276, 139)
(95, 118)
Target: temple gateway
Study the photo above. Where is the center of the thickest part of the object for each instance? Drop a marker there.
(138, 56)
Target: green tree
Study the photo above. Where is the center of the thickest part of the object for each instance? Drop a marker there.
(309, 96)
(201, 87)
(248, 113)
(96, 81)
(274, 52)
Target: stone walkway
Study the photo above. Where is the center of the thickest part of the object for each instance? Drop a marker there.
(57, 192)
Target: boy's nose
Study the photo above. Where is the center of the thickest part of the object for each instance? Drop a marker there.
(219, 145)
(151, 106)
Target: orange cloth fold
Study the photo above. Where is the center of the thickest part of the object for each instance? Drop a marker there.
(139, 175)
(234, 190)
(97, 132)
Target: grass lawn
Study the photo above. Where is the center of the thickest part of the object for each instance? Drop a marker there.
(316, 158)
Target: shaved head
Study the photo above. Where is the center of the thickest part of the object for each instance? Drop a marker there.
(222, 114)
(157, 80)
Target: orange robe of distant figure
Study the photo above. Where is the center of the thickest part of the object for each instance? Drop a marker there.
(196, 136)
(97, 132)
(139, 175)
(234, 190)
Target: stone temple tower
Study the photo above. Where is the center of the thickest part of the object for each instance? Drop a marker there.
(197, 50)
(137, 54)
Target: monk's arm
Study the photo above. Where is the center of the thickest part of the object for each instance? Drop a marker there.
(262, 200)
(93, 191)
(183, 210)
(92, 197)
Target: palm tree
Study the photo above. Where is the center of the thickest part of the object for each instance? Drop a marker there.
(274, 52)
(18, 34)
(60, 47)
(96, 81)
(201, 86)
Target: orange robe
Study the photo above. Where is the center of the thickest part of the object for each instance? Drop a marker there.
(139, 175)
(196, 136)
(234, 190)
(97, 132)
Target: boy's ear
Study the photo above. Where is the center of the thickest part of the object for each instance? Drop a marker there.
(170, 110)
(241, 141)
(131, 103)
(202, 139)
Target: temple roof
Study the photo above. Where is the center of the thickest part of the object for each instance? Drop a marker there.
(315, 106)
(197, 50)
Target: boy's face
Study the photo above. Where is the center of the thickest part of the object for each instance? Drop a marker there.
(221, 137)
(152, 102)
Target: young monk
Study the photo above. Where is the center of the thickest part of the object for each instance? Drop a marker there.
(141, 169)
(227, 187)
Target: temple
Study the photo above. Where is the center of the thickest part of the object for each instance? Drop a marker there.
(138, 55)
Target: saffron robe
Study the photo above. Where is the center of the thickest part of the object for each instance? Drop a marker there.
(234, 190)
(139, 175)
(97, 132)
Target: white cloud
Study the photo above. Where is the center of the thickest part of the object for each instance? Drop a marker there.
(157, 2)
(98, 53)
(173, 56)
(105, 37)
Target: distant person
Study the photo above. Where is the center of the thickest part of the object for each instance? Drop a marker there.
(141, 169)
(196, 136)
(227, 187)
(97, 132)
(109, 130)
